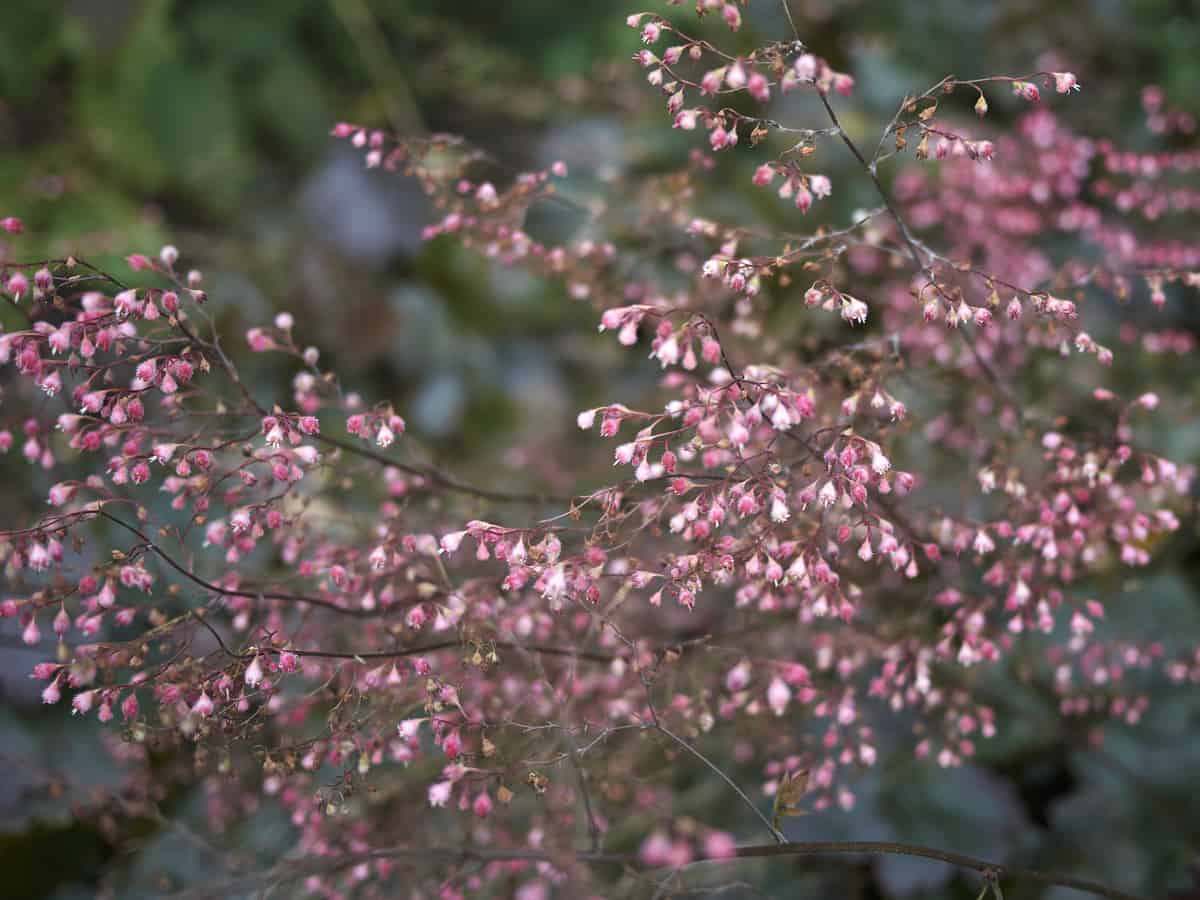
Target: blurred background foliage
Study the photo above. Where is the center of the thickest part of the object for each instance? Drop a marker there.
(125, 124)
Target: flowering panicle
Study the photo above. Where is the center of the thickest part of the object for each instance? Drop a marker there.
(839, 504)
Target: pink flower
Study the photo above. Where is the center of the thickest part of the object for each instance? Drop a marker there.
(31, 633)
(1027, 90)
(656, 849)
(254, 673)
(51, 693)
(439, 793)
(719, 845)
(778, 696)
(203, 706)
(758, 87)
(482, 806)
(738, 678)
(1065, 82)
(17, 285)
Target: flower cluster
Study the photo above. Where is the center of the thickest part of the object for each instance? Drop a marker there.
(822, 526)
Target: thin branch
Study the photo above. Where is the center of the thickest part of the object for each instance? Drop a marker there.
(787, 11)
(295, 869)
(233, 592)
(443, 480)
(775, 832)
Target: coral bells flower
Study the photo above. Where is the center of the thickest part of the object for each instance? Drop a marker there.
(17, 285)
(254, 673)
(439, 793)
(12, 224)
(482, 806)
(203, 706)
(735, 76)
(719, 138)
(1065, 82)
(719, 845)
(1027, 90)
(854, 310)
(778, 696)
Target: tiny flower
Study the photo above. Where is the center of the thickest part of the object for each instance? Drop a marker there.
(17, 285)
(378, 558)
(806, 67)
(983, 542)
(685, 120)
(486, 195)
(1065, 82)
(51, 694)
(804, 198)
(203, 705)
(1027, 90)
(735, 76)
(439, 793)
(482, 805)
(981, 106)
(758, 87)
(854, 310)
(656, 849)
(452, 541)
(828, 494)
(880, 463)
(737, 678)
(31, 633)
(779, 510)
(778, 696)
(254, 673)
